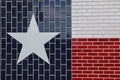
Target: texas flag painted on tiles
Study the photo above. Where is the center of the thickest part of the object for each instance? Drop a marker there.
(60, 40)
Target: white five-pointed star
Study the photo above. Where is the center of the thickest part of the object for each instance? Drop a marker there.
(33, 41)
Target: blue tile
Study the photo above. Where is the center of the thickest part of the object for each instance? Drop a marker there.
(35, 75)
(41, 16)
(35, 2)
(63, 48)
(14, 22)
(14, 43)
(57, 43)
(19, 27)
(57, 54)
(57, 22)
(57, 2)
(46, 75)
(19, 47)
(68, 12)
(13, 75)
(52, 59)
(69, 65)
(14, 54)
(8, 27)
(63, 69)
(47, 66)
(3, 2)
(41, 69)
(19, 77)
(30, 59)
(3, 75)
(41, 6)
(69, 22)
(14, 64)
(68, 43)
(3, 64)
(25, 64)
(19, 6)
(24, 2)
(3, 33)
(47, 21)
(52, 27)
(25, 22)
(69, 74)
(25, 75)
(19, 70)
(8, 59)
(13, 2)
(8, 6)
(3, 12)
(30, 78)
(8, 17)
(57, 64)
(3, 54)
(52, 48)
(63, 59)
(8, 78)
(52, 11)
(19, 17)
(52, 77)
(3, 43)
(30, 69)
(57, 75)
(63, 28)
(14, 12)
(52, 69)
(35, 64)
(68, 54)
(64, 78)
(46, 10)
(57, 12)
(63, 5)
(36, 13)
(62, 16)
(8, 38)
(29, 6)
(3, 21)
(68, 2)
(46, 2)
(8, 69)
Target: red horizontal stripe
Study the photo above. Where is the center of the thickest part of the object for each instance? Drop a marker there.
(96, 59)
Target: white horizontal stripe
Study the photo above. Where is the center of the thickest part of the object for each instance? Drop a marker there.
(95, 18)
